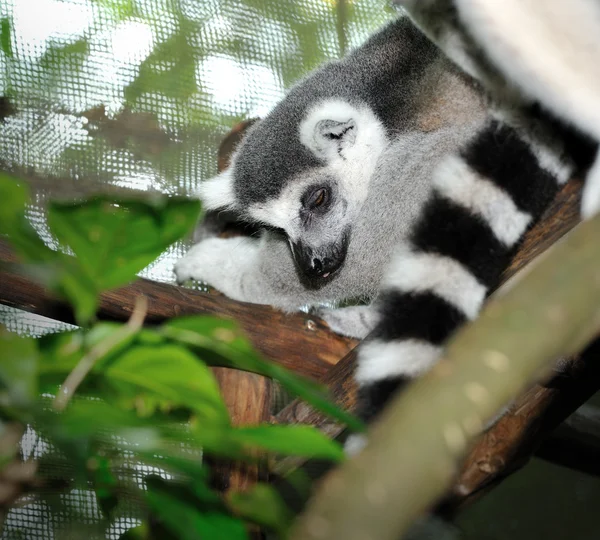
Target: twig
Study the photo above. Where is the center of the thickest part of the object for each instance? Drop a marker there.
(88, 361)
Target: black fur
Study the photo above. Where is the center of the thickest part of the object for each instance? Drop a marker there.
(499, 155)
(448, 229)
(372, 398)
(418, 315)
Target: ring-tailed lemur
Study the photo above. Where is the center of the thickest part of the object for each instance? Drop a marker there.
(393, 175)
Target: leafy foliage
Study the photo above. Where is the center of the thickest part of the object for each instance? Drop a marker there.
(147, 393)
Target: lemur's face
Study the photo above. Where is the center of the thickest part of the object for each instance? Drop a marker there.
(316, 207)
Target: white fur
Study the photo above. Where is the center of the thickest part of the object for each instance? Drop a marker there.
(217, 192)
(278, 212)
(410, 271)
(550, 48)
(379, 360)
(352, 321)
(354, 444)
(222, 263)
(455, 180)
(549, 155)
(356, 165)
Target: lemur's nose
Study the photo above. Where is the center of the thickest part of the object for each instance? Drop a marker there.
(322, 263)
(324, 267)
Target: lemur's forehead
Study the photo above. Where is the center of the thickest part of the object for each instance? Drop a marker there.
(271, 157)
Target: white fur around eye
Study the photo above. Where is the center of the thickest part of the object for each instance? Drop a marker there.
(354, 164)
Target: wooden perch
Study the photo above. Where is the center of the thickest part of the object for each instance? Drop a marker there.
(415, 447)
(298, 341)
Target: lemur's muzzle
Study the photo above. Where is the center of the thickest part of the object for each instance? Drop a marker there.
(322, 262)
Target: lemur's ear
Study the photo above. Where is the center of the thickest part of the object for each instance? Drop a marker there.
(217, 192)
(329, 128)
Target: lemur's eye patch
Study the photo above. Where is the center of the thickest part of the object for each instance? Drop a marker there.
(316, 198)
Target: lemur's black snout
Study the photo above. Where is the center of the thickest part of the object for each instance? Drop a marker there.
(322, 262)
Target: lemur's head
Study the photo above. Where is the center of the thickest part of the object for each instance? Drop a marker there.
(306, 171)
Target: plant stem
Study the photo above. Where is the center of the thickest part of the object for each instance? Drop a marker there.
(88, 361)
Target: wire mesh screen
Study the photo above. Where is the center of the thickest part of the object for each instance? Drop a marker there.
(109, 95)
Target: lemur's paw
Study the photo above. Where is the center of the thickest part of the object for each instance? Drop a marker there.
(353, 321)
(203, 262)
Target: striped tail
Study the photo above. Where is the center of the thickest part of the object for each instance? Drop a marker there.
(483, 201)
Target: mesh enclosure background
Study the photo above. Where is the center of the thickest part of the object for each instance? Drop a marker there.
(109, 95)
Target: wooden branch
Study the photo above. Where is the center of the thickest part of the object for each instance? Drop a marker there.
(246, 395)
(415, 447)
(513, 440)
(297, 341)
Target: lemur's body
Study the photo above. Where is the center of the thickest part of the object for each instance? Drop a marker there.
(390, 175)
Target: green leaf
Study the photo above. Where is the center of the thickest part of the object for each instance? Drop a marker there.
(114, 240)
(141, 532)
(5, 37)
(14, 197)
(262, 505)
(169, 372)
(220, 342)
(105, 484)
(293, 440)
(18, 368)
(189, 517)
(63, 351)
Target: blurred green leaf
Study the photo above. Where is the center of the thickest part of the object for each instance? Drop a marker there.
(141, 532)
(294, 440)
(120, 9)
(113, 240)
(261, 504)
(14, 197)
(18, 368)
(191, 517)
(105, 484)
(170, 69)
(172, 373)
(56, 55)
(220, 342)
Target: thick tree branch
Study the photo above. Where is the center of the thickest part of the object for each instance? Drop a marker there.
(417, 444)
(298, 341)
